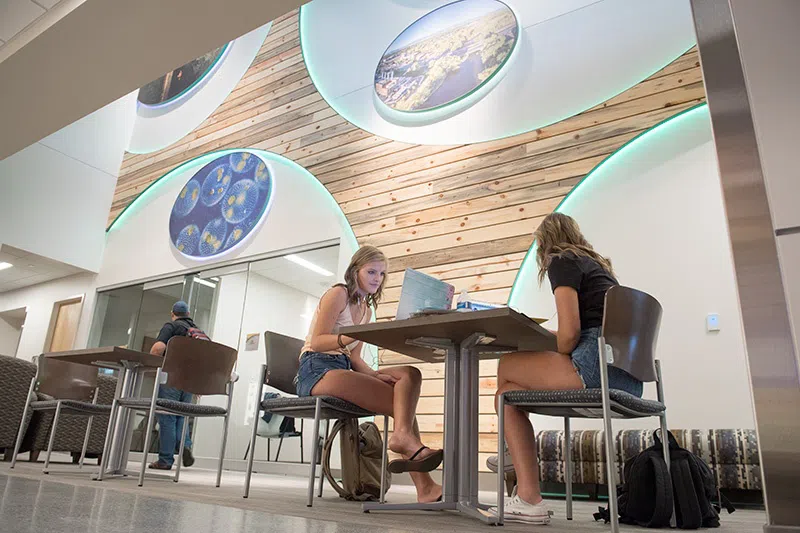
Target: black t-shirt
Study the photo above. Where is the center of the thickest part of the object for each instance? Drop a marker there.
(587, 277)
(176, 328)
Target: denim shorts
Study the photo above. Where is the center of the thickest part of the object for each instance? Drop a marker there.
(586, 359)
(314, 365)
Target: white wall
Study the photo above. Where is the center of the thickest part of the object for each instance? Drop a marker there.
(656, 210)
(57, 193)
(10, 333)
(39, 301)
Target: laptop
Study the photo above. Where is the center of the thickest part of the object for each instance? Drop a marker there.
(423, 294)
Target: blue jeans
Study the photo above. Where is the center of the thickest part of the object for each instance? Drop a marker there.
(586, 359)
(170, 427)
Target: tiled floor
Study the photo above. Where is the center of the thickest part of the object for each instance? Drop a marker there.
(70, 502)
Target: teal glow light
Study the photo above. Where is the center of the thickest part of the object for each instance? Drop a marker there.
(153, 190)
(528, 269)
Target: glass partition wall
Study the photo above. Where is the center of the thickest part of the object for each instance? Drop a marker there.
(234, 305)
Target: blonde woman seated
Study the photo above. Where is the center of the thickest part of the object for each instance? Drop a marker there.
(579, 277)
(331, 365)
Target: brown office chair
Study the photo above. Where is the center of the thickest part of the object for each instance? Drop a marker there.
(627, 341)
(195, 366)
(73, 389)
(283, 362)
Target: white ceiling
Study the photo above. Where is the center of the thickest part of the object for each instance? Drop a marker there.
(29, 269)
(58, 69)
(298, 277)
(16, 15)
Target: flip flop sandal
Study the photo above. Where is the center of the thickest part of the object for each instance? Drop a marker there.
(431, 462)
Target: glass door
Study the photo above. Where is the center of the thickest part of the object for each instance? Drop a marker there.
(156, 305)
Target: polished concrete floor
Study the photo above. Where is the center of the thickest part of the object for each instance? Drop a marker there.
(69, 501)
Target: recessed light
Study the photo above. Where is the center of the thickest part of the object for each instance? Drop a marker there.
(309, 265)
(4, 265)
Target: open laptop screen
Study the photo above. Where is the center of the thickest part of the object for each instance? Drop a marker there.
(421, 291)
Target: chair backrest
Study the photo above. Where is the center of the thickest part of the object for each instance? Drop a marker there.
(66, 381)
(630, 326)
(283, 360)
(198, 366)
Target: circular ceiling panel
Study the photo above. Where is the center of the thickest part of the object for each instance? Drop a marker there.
(444, 57)
(180, 81)
(170, 107)
(220, 205)
(399, 69)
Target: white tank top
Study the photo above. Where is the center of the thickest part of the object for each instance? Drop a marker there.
(344, 319)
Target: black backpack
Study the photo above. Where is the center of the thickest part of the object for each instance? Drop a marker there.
(647, 496)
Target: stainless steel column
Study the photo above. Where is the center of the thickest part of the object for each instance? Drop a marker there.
(771, 352)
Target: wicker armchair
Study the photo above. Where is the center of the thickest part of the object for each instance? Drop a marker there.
(15, 380)
(71, 428)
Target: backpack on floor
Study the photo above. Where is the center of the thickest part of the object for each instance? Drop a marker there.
(361, 450)
(647, 496)
(695, 488)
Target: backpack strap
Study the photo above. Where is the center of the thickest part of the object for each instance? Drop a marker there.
(662, 511)
(326, 459)
(687, 504)
(726, 503)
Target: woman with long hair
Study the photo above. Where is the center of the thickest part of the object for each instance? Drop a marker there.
(331, 365)
(579, 277)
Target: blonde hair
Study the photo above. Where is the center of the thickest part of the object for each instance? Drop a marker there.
(559, 234)
(364, 256)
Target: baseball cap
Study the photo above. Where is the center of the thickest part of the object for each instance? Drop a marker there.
(180, 308)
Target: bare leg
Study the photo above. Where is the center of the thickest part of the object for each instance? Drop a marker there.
(375, 395)
(530, 371)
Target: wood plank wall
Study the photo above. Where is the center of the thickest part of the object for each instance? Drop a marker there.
(463, 213)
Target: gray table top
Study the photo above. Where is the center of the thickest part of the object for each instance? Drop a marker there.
(511, 331)
(108, 356)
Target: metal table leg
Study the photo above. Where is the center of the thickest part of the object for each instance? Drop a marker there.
(460, 491)
(469, 429)
(129, 385)
(451, 443)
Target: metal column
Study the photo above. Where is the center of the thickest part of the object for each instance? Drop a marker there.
(771, 353)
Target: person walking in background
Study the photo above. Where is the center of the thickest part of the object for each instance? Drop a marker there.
(171, 426)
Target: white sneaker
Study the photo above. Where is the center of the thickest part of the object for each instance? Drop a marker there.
(518, 510)
(508, 464)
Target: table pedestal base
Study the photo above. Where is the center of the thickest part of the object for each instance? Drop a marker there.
(479, 512)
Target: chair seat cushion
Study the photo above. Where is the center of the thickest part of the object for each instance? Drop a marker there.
(180, 408)
(583, 402)
(304, 407)
(71, 405)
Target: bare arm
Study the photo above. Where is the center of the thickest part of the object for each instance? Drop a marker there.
(569, 319)
(158, 348)
(359, 365)
(331, 304)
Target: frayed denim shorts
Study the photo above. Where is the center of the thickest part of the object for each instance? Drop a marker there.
(586, 359)
(314, 365)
